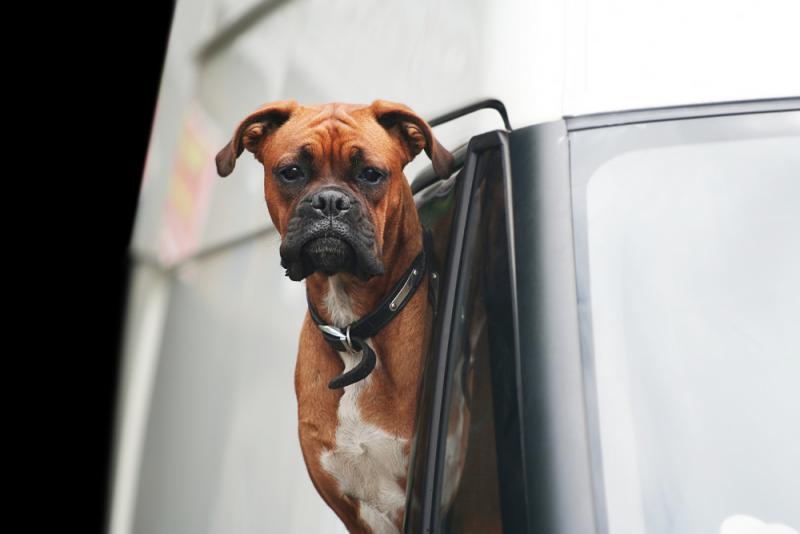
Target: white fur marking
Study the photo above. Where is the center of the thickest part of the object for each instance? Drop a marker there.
(338, 303)
(367, 461)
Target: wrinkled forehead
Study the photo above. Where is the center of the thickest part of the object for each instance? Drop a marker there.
(331, 134)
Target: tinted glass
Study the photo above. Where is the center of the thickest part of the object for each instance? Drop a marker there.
(479, 431)
(469, 493)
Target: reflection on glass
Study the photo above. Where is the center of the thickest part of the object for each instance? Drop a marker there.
(694, 255)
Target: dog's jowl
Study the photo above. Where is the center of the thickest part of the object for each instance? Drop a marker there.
(336, 193)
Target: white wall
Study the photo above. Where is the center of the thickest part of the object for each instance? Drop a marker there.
(207, 438)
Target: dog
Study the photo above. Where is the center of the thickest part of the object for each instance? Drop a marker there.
(336, 193)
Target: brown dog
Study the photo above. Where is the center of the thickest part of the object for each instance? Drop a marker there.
(336, 192)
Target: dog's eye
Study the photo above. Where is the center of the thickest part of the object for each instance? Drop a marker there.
(371, 175)
(291, 173)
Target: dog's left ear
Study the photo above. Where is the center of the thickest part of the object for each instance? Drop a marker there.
(416, 134)
(251, 131)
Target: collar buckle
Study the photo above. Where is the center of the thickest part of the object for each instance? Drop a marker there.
(342, 337)
(333, 332)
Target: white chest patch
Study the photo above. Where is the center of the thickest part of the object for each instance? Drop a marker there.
(367, 461)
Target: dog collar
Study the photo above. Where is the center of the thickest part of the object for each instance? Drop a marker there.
(352, 337)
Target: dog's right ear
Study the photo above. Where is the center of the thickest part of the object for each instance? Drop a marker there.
(251, 131)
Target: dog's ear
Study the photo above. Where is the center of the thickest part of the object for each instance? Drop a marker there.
(415, 133)
(251, 131)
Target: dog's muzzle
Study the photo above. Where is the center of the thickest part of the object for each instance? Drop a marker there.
(330, 232)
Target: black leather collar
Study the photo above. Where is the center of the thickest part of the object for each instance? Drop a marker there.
(352, 337)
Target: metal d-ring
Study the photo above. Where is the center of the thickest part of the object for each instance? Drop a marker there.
(347, 343)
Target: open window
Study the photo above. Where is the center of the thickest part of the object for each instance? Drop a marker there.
(466, 471)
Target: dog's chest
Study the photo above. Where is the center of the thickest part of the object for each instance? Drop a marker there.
(366, 461)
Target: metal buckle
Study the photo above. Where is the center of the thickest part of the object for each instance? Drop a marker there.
(333, 331)
(344, 337)
(348, 343)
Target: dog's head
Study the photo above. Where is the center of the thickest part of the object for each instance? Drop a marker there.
(333, 178)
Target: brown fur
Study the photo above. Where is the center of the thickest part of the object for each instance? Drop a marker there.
(392, 135)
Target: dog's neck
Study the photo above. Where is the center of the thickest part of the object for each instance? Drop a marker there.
(343, 298)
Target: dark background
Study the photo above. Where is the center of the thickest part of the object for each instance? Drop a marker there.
(90, 77)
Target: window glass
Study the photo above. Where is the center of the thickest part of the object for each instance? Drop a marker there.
(693, 251)
(477, 457)
(469, 494)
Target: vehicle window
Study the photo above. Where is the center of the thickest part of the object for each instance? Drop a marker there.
(469, 495)
(435, 205)
(479, 430)
(688, 251)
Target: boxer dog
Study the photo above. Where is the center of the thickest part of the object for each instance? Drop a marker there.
(336, 193)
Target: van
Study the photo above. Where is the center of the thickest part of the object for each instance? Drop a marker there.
(615, 347)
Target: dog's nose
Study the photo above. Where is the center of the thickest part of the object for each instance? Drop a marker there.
(330, 202)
